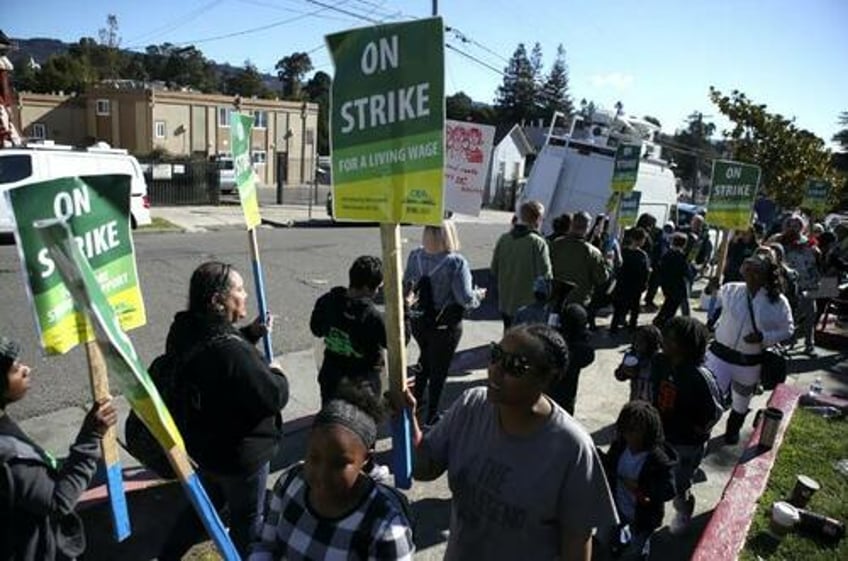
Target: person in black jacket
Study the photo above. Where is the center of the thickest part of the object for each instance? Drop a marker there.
(640, 469)
(575, 330)
(675, 276)
(631, 280)
(37, 493)
(683, 398)
(353, 330)
(233, 422)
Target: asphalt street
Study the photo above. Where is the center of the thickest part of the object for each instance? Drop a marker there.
(300, 264)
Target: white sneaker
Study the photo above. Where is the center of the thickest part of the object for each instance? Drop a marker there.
(380, 474)
(680, 523)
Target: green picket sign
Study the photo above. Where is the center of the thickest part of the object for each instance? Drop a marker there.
(626, 167)
(732, 191)
(97, 211)
(240, 131)
(816, 196)
(387, 122)
(629, 209)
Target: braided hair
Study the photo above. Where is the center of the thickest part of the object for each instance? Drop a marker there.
(551, 358)
(643, 417)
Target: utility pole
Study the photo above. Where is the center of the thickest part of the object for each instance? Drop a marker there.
(697, 190)
(435, 7)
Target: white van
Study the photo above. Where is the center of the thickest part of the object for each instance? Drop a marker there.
(34, 163)
(574, 174)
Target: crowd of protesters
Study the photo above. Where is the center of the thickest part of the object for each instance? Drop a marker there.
(527, 480)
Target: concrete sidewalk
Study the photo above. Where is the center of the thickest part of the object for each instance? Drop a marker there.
(599, 399)
(229, 216)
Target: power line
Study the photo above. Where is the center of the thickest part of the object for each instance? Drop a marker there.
(466, 39)
(178, 22)
(272, 6)
(475, 59)
(343, 11)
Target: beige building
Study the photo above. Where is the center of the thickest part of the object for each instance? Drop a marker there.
(144, 120)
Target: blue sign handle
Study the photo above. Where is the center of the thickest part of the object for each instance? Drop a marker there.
(402, 450)
(118, 500)
(259, 281)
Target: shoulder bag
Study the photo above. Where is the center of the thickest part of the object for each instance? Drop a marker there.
(774, 367)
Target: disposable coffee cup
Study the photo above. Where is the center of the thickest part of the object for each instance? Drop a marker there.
(805, 487)
(771, 420)
(784, 517)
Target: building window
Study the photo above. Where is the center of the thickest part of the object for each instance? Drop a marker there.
(224, 116)
(160, 129)
(103, 107)
(258, 157)
(260, 119)
(39, 131)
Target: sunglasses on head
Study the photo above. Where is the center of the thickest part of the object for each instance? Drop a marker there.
(514, 364)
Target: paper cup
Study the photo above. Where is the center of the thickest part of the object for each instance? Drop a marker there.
(805, 487)
(784, 516)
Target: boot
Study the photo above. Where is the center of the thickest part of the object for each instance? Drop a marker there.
(734, 424)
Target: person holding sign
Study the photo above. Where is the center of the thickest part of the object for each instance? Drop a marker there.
(233, 399)
(526, 480)
(438, 279)
(37, 493)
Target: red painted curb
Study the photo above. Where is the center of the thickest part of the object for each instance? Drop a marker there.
(727, 530)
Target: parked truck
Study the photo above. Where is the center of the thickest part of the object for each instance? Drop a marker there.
(573, 171)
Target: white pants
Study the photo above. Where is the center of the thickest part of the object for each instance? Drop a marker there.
(740, 380)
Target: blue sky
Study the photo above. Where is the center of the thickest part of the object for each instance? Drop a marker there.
(658, 57)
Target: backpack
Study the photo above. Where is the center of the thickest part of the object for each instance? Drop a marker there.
(424, 310)
(719, 401)
(165, 373)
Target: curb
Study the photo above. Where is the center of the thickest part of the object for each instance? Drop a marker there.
(726, 533)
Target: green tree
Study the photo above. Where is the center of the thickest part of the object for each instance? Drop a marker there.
(25, 76)
(787, 155)
(516, 96)
(317, 90)
(553, 95)
(458, 106)
(109, 43)
(692, 150)
(291, 70)
(246, 82)
(841, 137)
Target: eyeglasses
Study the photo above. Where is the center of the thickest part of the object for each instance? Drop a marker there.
(514, 364)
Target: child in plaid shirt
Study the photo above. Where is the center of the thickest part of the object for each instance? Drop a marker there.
(326, 507)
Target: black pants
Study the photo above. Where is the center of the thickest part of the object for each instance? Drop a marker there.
(653, 284)
(329, 382)
(507, 320)
(622, 305)
(564, 390)
(244, 497)
(669, 308)
(437, 344)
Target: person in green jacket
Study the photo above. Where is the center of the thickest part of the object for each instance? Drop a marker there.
(577, 261)
(520, 256)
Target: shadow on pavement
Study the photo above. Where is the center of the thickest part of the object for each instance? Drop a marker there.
(488, 309)
(432, 518)
(665, 546)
